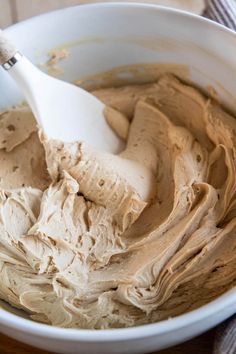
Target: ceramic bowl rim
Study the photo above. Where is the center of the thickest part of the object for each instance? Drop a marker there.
(162, 327)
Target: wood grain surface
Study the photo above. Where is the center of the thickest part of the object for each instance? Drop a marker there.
(199, 345)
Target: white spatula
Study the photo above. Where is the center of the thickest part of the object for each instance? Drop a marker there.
(64, 111)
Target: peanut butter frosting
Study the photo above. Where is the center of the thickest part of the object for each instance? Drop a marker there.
(93, 240)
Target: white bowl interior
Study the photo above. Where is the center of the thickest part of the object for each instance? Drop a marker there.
(100, 38)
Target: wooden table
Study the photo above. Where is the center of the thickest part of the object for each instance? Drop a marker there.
(200, 345)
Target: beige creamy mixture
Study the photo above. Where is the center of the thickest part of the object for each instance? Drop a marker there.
(92, 240)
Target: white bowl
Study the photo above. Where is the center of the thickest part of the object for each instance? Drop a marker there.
(101, 37)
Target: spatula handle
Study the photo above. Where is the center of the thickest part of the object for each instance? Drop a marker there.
(7, 49)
